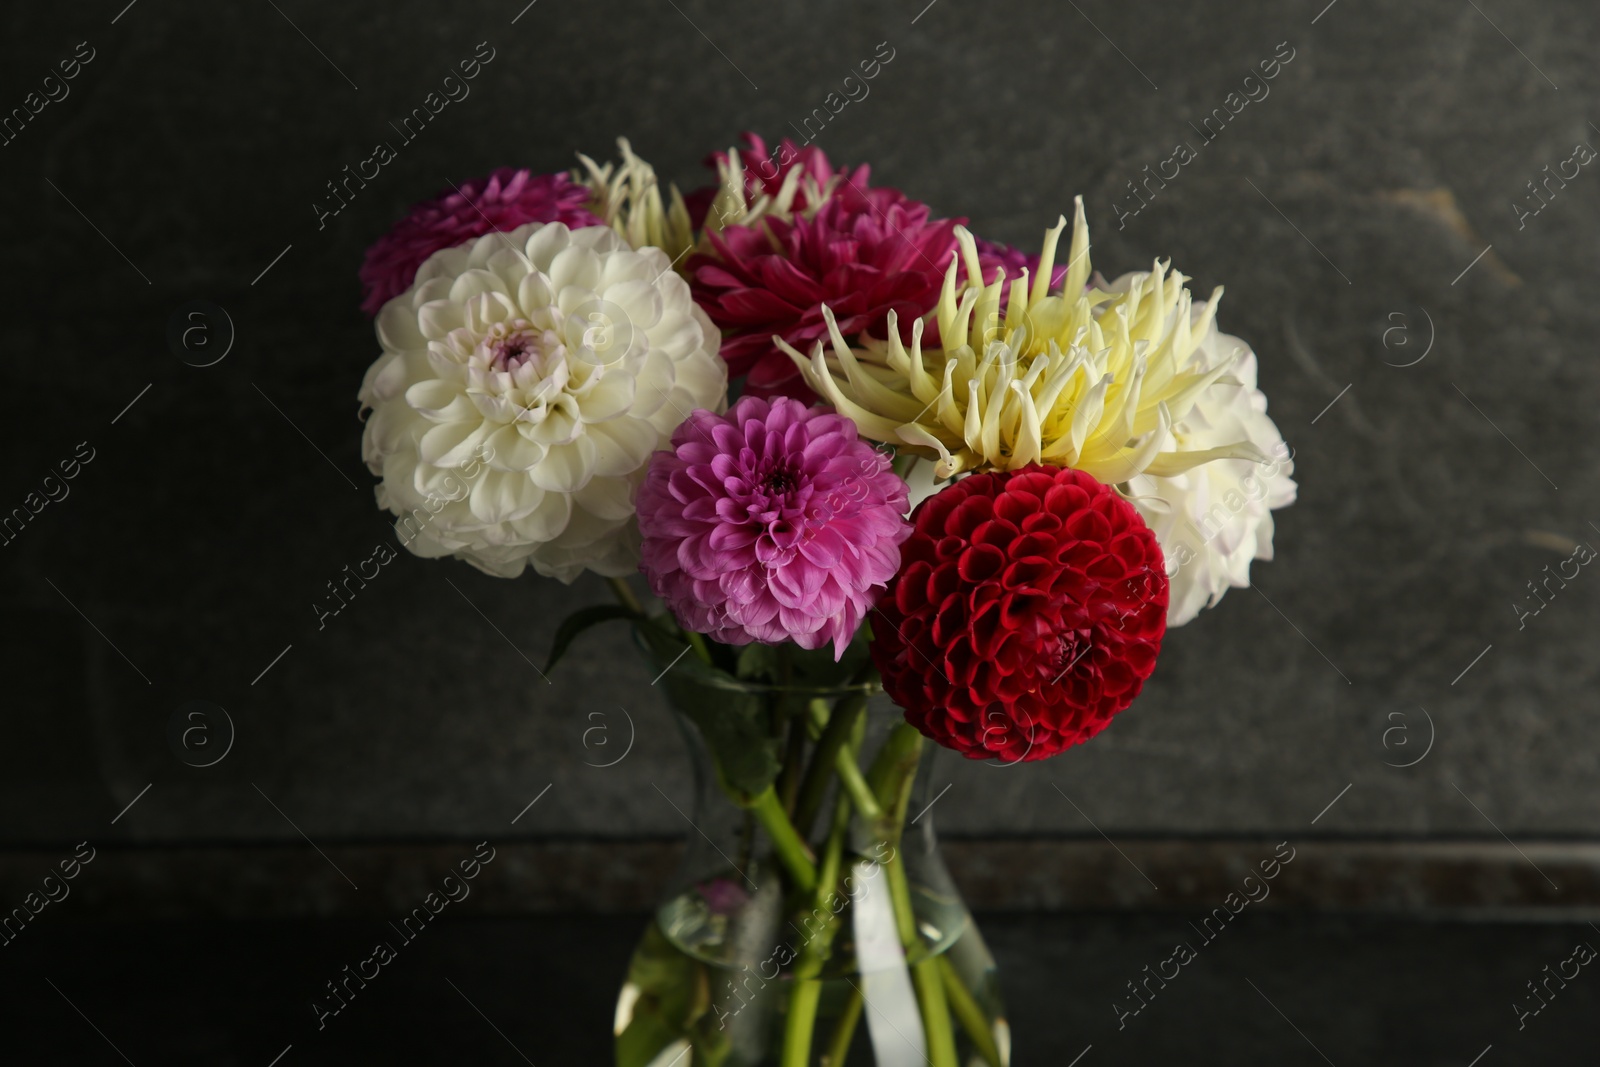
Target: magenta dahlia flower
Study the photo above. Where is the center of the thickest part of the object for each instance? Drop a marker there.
(774, 522)
(864, 253)
(502, 201)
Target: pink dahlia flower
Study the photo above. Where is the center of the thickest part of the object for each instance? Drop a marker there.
(864, 253)
(503, 201)
(773, 522)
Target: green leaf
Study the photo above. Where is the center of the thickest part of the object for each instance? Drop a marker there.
(758, 662)
(734, 722)
(808, 668)
(579, 621)
(815, 667)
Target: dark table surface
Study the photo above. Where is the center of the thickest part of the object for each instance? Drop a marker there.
(1272, 989)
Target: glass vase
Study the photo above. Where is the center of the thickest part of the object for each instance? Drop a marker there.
(812, 921)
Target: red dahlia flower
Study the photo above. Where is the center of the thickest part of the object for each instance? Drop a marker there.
(1028, 610)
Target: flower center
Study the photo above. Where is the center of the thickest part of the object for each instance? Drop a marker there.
(1071, 647)
(780, 481)
(514, 349)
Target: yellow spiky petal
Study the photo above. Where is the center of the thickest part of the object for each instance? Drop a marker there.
(744, 201)
(628, 197)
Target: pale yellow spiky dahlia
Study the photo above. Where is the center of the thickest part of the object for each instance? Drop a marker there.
(743, 199)
(628, 197)
(1087, 377)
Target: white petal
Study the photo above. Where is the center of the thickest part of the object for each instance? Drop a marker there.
(509, 449)
(574, 267)
(397, 326)
(475, 283)
(640, 300)
(566, 468)
(622, 446)
(606, 396)
(437, 318)
(608, 498)
(544, 243)
(546, 521)
(432, 396)
(501, 496)
(450, 444)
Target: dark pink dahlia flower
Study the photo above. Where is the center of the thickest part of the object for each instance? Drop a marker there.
(864, 253)
(502, 201)
(774, 522)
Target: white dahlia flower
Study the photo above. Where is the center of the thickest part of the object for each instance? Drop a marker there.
(525, 380)
(1212, 520)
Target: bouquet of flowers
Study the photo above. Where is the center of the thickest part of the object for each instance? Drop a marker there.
(850, 446)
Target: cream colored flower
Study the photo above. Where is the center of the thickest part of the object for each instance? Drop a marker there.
(742, 200)
(1215, 519)
(1091, 378)
(628, 198)
(525, 380)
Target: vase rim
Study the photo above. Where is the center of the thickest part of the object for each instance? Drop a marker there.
(740, 685)
(731, 684)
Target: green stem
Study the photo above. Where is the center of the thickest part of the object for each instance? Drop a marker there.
(802, 1018)
(747, 841)
(893, 771)
(839, 1044)
(894, 870)
(801, 1021)
(783, 709)
(814, 786)
(628, 599)
(892, 775)
(698, 643)
(833, 851)
(800, 1025)
(935, 1014)
(791, 850)
(816, 714)
(625, 595)
(793, 762)
(855, 785)
(968, 1013)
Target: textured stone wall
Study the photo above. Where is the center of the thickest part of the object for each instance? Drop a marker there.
(1427, 340)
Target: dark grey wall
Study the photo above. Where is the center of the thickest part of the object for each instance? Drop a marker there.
(1359, 196)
